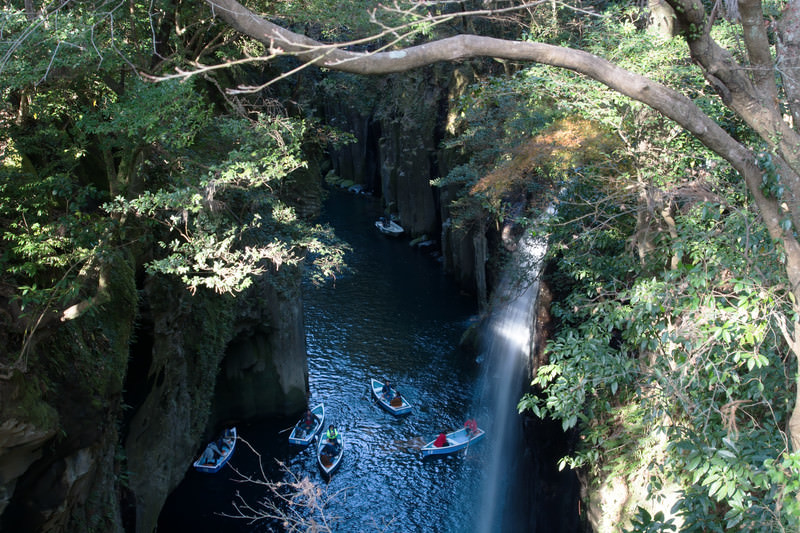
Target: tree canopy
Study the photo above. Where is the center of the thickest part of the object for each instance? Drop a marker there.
(111, 143)
(760, 91)
(745, 113)
(98, 160)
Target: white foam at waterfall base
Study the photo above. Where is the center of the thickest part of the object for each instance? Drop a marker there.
(507, 347)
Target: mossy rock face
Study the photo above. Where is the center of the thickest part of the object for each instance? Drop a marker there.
(22, 400)
(331, 178)
(265, 370)
(63, 415)
(189, 335)
(214, 358)
(84, 361)
(303, 188)
(418, 240)
(471, 340)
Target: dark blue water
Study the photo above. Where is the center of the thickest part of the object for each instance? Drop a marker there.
(395, 316)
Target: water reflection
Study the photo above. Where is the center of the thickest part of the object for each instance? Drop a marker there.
(396, 316)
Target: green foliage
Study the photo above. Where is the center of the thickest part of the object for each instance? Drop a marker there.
(508, 145)
(694, 352)
(49, 233)
(69, 40)
(668, 356)
(169, 113)
(228, 225)
(644, 523)
(95, 159)
(657, 149)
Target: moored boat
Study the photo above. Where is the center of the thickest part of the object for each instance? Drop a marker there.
(389, 227)
(391, 400)
(302, 435)
(217, 453)
(456, 440)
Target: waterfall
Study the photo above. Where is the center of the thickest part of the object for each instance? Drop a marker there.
(508, 341)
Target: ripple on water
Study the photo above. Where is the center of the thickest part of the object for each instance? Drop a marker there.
(396, 317)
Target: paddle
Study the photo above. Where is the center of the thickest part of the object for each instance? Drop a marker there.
(285, 430)
(369, 393)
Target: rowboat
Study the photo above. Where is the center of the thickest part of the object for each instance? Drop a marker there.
(394, 402)
(303, 437)
(217, 453)
(328, 461)
(457, 440)
(388, 227)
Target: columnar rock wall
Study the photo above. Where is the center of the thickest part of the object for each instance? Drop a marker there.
(73, 458)
(265, 371)
(399, 123)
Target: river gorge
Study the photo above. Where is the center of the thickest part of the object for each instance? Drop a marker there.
(394, 316)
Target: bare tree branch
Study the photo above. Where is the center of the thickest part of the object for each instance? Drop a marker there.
(297, 503)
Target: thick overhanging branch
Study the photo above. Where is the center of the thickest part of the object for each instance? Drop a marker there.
(670, 103)
(750, 90)
(716, 62)
(101, 296)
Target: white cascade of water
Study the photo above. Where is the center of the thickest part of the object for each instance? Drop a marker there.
(507, 347)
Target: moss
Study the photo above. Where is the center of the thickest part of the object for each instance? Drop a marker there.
(332, 179)
(28, 404)
(98, 343)
(86, 357)
(418, 240)
(214, 315)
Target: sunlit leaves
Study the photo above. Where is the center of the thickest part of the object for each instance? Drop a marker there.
(263, 151)
(683, 289)
(47, 225)
(222, 229)
(643, 522)
(217, 261)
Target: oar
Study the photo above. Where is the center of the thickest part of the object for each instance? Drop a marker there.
(285, 430)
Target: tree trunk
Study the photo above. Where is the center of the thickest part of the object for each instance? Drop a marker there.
(788, 52)
(793, 428)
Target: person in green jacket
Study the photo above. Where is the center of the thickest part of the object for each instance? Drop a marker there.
(332, 446)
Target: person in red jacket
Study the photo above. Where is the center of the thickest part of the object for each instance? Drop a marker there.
(441, 440)
(472, 426)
